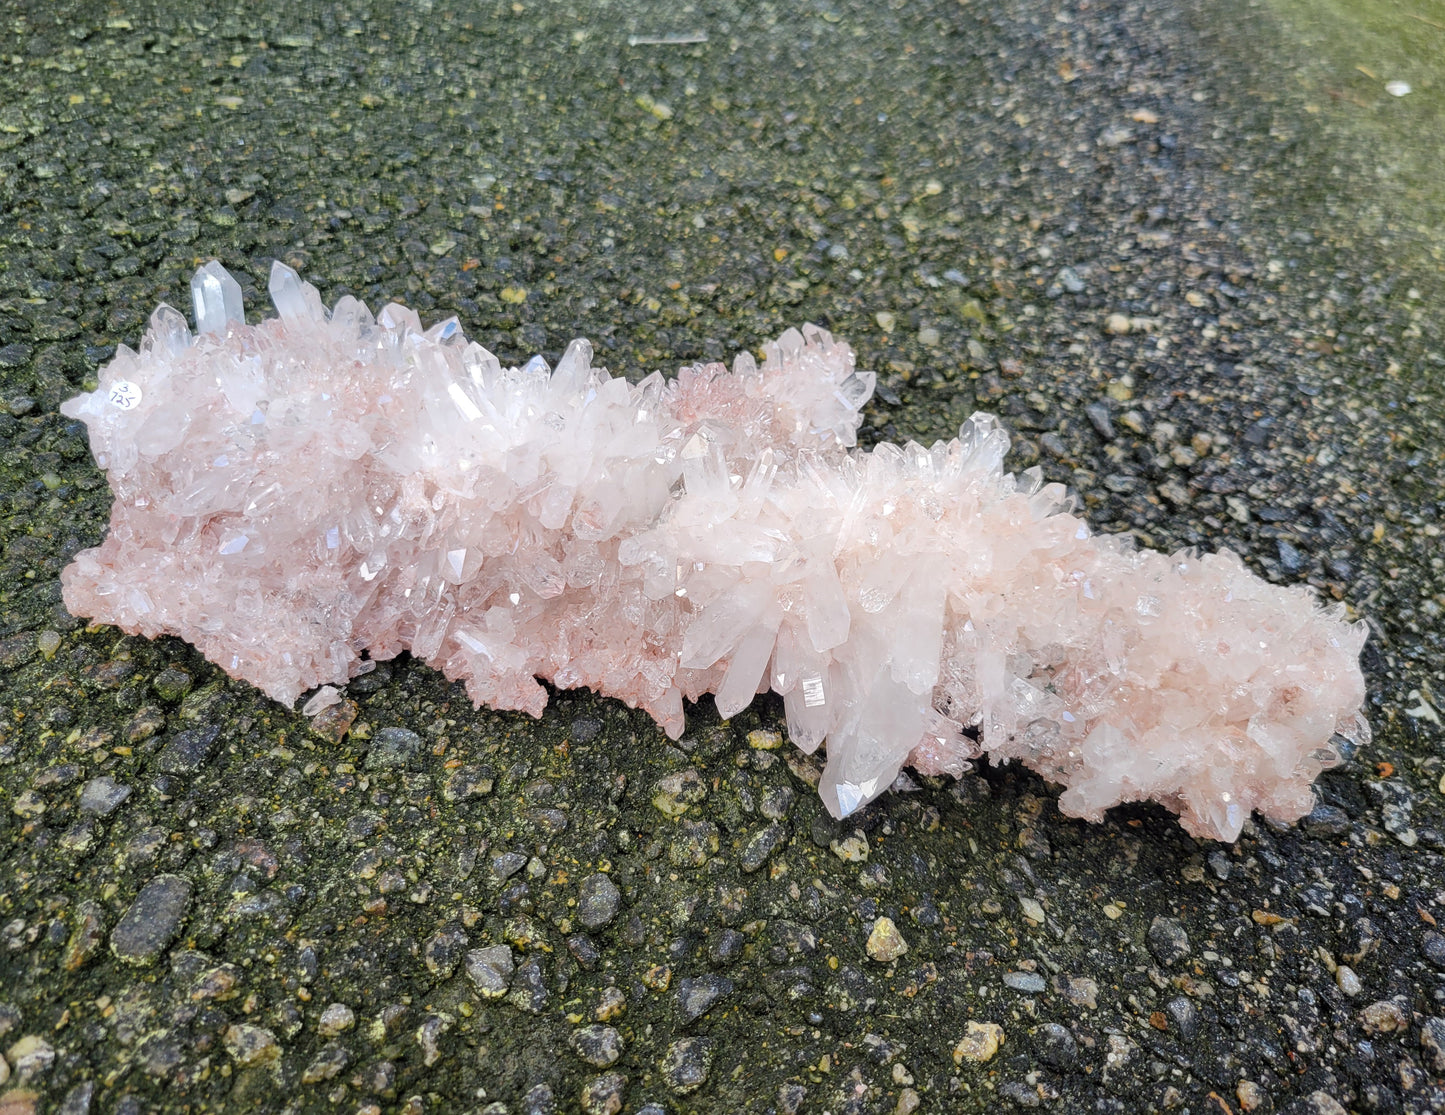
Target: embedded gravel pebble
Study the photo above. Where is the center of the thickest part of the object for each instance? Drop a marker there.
(152, 921)
(597, 1045)
(103, 795)
(685, 1065)
(1167, 940)
(696, 997)
(597, 901)
(1189, 256)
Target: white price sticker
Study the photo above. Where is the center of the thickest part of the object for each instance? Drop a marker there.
(124, 394)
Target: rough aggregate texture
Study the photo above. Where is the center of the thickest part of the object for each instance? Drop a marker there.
(998, 181)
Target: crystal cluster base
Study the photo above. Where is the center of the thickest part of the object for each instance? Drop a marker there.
(326, 487)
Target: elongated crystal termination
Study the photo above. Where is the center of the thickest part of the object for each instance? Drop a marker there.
(297, 302)
(295, 494)
(217, 299)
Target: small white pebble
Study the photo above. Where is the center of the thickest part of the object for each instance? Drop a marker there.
(336, 1019)
(980, 1042)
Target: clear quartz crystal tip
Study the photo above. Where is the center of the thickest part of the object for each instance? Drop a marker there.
(296, 302)
(217, 299)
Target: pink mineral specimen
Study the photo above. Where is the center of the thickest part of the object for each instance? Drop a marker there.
(297, 496)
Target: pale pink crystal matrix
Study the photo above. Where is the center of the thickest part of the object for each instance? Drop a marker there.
(292, 495)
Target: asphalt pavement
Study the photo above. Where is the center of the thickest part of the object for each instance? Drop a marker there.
(1190, 253)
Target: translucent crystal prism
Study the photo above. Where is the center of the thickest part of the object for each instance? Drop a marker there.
(168, 330)
(217, 299)
(297, 302)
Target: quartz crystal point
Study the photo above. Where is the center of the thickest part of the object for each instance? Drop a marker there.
(301, 495)
(217, 298)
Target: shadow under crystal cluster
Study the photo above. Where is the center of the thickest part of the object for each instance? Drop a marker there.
(322, 488)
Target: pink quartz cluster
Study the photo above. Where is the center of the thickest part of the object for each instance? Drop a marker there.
(297, 496)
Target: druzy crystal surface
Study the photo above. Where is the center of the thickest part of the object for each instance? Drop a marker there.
(321, 489)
